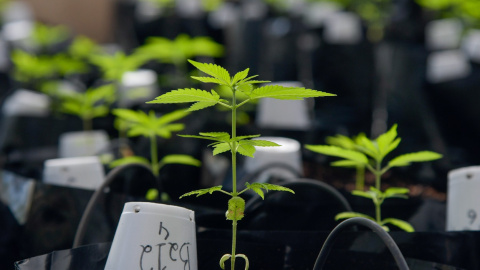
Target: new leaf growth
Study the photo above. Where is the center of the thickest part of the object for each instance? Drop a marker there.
(365, 153)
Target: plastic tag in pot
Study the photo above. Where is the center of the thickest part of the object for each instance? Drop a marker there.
(463, 203)
(154, 236)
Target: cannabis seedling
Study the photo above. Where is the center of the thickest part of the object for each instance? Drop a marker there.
(150, 126)
(225, 142)
(177, 52)
(93, 103)
(370, 154)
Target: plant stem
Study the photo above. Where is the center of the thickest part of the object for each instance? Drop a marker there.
(234, 243)
(360, 178)
(378, 175)
(87, 123)
(378, 216)
(234, 174)
(153, 154)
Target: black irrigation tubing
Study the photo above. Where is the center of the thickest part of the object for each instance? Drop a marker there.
(109, 179)
(386, 238)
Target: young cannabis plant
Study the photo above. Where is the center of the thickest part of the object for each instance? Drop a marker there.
(114, 66)
(149, 125)
(95, 102)
(177, 52)
(225, 142)
(370, 154)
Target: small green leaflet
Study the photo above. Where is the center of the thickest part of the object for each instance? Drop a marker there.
(336, 151)
(221, 148)
(202, 98)
(246, 149)
(240, 76)
(345, 215)
(180, 159)
(257, 188)
(399, 223)
(406, 159)
(396, 192)
(213, 70)
(129, 160)
(201, 192)
(287, 93)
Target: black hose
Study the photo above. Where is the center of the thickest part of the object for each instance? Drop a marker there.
(386, 238)
(109, 179)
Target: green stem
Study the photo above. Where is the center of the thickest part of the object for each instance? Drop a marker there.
(234, 174)
(153, 154)
(360, 178)
(378, 215)
(378, 175)
(87, 123)
(234, 243)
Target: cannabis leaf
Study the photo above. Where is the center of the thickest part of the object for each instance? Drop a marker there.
(406, 159)
(129, 160)
(179, 159)
(353, 157)
(114, 66)
(93, 103)
(257, 188)
(202, 98)
(288, 93)
(141, 124)
(201, 192)
(213, 70)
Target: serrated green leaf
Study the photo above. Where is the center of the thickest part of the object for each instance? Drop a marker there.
(201, 105)
(341, 141)
(396, 192)
(286, 93)
(130, 115)
(221, 148)
(203, 137)
(139, 131)
(208, 80)
(345, 215)
(277, 188)
(385, 139)
(213, 70)
(173, 127)
(365, 194)
(240, 76)
(172, 116)
(129, 160)
(336, 151)
(257, 82)
(262, 143)
(187, 95)
(406, 159)
(246, 149)
(268, 187)
(399, 223)
(239, 138)
(245, 89)
(201, 192)
(259, 191)
(365, 145)
(180, 159)
(345, 163)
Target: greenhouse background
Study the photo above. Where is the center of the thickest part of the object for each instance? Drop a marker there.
(68, 67)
